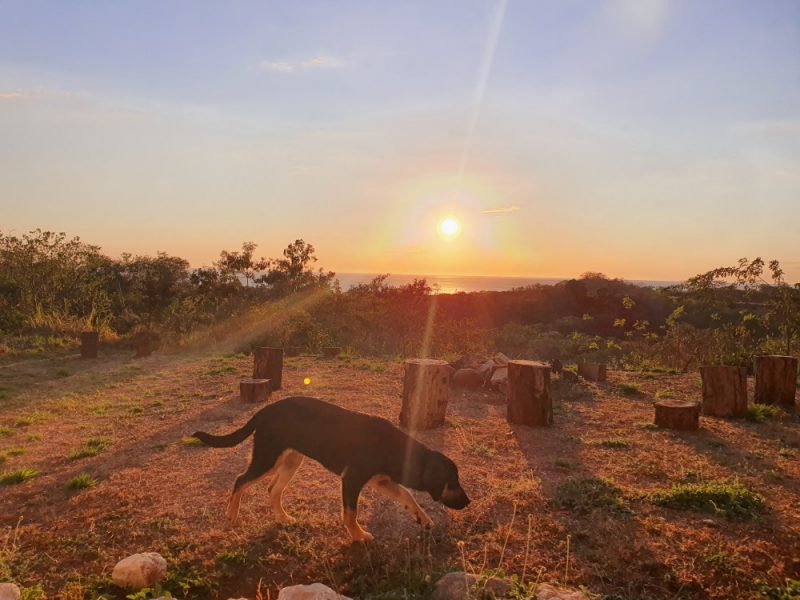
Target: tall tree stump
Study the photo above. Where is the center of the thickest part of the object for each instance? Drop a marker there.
(89, 343)
(724, 391)
(143, 344)
(592, 371)
(426, 392)
(529, 401)
(776, 380)
(254, 390)
(268, 364)
(677, 414)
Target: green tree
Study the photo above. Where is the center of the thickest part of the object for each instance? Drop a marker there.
(242, 263)
(293, 272)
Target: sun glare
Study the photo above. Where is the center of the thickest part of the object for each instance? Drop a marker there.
(449, 228)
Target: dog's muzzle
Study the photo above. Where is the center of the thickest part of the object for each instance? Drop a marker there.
(455, 498)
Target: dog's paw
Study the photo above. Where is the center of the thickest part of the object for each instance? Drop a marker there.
(363, 536)
(285, 519)
(425, 521)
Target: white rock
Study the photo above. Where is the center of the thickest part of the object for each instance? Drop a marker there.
(139, 571)
(9, 591)
(315, 591)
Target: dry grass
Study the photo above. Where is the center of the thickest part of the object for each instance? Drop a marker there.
(567, 504)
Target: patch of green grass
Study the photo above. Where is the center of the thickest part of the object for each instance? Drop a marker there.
(585, 495)
(10, 453)
(61, 373)
(629, 389)
(33, 437)
(192, 442)
(18, 476)
(761, 413)
(786, 453)
(135, 410)
(664, 394)
(731, 500)
(6, 432)
(221, 370)
(790, 590)
(93, 447)
(82, 482)
(23, 422)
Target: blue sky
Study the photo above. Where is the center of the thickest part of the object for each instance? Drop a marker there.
(642, 138)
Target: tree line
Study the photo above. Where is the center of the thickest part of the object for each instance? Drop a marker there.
(52, 286)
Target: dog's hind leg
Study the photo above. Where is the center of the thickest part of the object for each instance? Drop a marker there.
(352, 484)
(286, 469)
(262, 463)
(398, 493)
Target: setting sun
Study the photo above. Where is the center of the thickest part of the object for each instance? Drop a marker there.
(449, 228)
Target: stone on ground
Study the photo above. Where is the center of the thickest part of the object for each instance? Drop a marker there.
(315, 591)
(139, 571)
(9, 591)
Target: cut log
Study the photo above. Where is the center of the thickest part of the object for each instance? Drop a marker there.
(776, 380)
(268, 364)
(592, 371)
(254, 390)
(89, 343)
(724, 391)
(677, 414)
(143, 344)
(426, 392)
(529, 401)
(331, 351)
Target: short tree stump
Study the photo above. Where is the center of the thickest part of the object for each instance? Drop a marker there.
(776, 379)
(677, 414)
(89, 342)
(529, 401)
(268, 364)
(426, 392)
(254, 390)
(331, 351)
(592, 371)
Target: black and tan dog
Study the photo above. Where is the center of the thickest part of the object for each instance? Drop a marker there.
(363, 449)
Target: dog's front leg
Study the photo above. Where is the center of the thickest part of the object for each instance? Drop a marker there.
(352, 484)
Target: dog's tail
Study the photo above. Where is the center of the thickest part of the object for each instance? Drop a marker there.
(229, 440)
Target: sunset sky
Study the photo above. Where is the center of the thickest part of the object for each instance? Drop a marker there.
(642, 138)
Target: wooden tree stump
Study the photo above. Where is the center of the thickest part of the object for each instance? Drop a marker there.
(592, 371)
(143, 344)
(724, 391)
(529, 401)
(776, 380)
(254, 390)
(268, 364)
(677, 414)
(426, 392)
(331, 351)
(89, 343)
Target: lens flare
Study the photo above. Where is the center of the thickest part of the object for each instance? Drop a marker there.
(307, 381)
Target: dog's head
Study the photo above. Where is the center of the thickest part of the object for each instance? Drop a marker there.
(440, 480)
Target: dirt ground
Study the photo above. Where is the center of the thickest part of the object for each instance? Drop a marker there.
(156, 492)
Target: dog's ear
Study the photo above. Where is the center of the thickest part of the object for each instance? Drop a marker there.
(434, 476)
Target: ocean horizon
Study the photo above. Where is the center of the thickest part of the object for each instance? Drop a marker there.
(453, 284)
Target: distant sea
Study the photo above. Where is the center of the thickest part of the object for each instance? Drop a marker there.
(469, 283)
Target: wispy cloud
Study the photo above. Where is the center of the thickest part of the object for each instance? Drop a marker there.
(14, 96)
(495, 212)
(292, 66)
